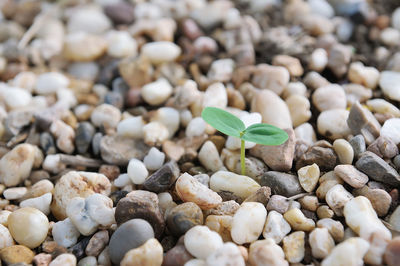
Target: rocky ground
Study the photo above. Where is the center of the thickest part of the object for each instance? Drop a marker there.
(105, 159)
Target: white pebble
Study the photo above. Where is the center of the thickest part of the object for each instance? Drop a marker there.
(106, 115)
(337, 197)
(90, 20)
(157, 92)
(122, 180)
(161, 52)
(209, 157)
(41, 203)
(131, 127)
(65, 259)
(137, 171)
(169, 117)
(349, 252)
(154, 159)
(121, 44)
(215, 96)
(65, 233)
(196, 127)
(391, 130)
(200, 241)
(329, 97)
(396, 18)
(6, 239)
(15, 98)
(67, 96)
(321, 243)
(276, 227)
(155, 133)
(306, 133)
(239, 185)
(14, 193)
(333, 123)
(50, 82)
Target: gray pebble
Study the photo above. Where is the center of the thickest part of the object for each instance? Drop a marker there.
(358, 144)
(163, 178)
(281, 183)
(47, 143)
(96, 140)
(83, 136)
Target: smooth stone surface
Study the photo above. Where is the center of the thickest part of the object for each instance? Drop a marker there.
(344, 151)
(200, 241)
(150, 253)
(266, 252)
(293, 246)
(308, 177)
(281, 183)
(329, 97)
(391, 130)
(161, 52)
(6, 239)
(377, 169)
(163, 178)
(65, 233)
(298, 221)
(209, 157)
(362, 121)
(337, 197)
(276, 227)
(349, 252)
(16, 254)
(389, 82)
(129, 235)
(228, 254)
(332, 123)
(358, 144)
(351, 175)
(321, 242)
(183, 217)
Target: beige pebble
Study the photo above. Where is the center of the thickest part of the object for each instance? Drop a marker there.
(293, 246)
(366, 76)
(335, 228)
(298, 221)
(82, 46)
(351, 175)
(299, 108)
(324, 211)
(222, 224)
(292, 64)
(333, 123)
(349, 252)
(344, 151)
(309, 203)
(276, 227)
(308, 177)
(321, 243)
(149, 254)
(65, 259)
(336, 197)
(329, 97)
(266, 252)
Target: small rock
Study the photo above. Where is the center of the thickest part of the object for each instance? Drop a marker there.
(248, 222)
(222, 224)
(183, 217)
(261, 195)
(88, 261)
(362, 121)
(362, 219)
(278, 203)
(299, 107)
(324, 211)
(28, 226)
(276, 227)
(329, 97)
(16, 254)
(225, 208)
(209, 157)
(318, 59)
(155, 133)
(161, 52)
(293, 246)
(309, 203)
(64, 260)
(221, 70)
(150, 253)
(41, 203)
(266, 252)
(356, 93)
(335, 228)
(277, 163)
(394, 219)
(377, 169)
(390, 129)
(84, 136)
(391, 255)
(228, 254)
(351, 175)
(137, 171)
(88, 20)
(358, 144)
(6, 239)
(201, 241)
(321, 243)
(14, 193)
(121, 44)
(349, 252)
(163, 178)
(382, 106)
(239, 185)
(305, 132)
(339, 57)
(274, 78)
(178, 255)
(154, 159)
(337, 197)
(129, 235)
(292, 64)
(119, 150)
(141, 204)
(215, 96)
(308, 177)
(65, 233)
(344, 151)
(83, 47)
(42, 259)
(366, 76)
(333, 123)
(120, 12)
(97, 243)
(106, 115)
(50, 82)
(281, 183)
(298, 221)
(196, 127)
(272, 108)
(379, 198)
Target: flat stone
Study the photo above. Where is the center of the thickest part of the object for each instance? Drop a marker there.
(377, 169)
(284, 161)
(141, 204)
(281, 183)
(351, 175)
(358, 144)
(362, 121)
(324, 157)
(119, 150)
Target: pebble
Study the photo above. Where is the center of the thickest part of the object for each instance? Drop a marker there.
(356, 93)
(42, 203)
(298, 221)
(366, 76)
(318, 59)
(329, 97)
(156, 92)
(338, 59)
(299, 107)
(308, 177)
(50, 82)
(362, 219)
(65, 233)
(239, 185)
(305, 132)
(344, 151)
(276, 227)
(382, 106)
(321, 243)
(83, 47)
(209, 157)
(248, 222)
(106, 115)
(389, 84)
(228, 254)
(394, 219)
(120, 12)
(183, 217)
(266, 252)
(121, 44)
(293, 246)
(379, 198)
(281, 183)
(137, 171)
(362, 121)
(282, 163)
(309, 203)
(349, 252)
(178, 255)
(377, 169)
(64, 260)
(16, 165)
(28, 226)
(222, 224)
(332, 123)
(6, 239)
(335, 228)
(88, 20)
(272, 108)
(201, 242)
(77, 184)
(84, 70)
(42, 259)
(215, 96)
(84, 136)
(390, 36)
(119, 150)
(351, 175)
(274, 78)
(129, 235)
(196, 127)
(161, 52)
(191, 190)
(141, 204)
(391, 255)
(390, 129)
(150, 253)
(16, 254)
(221, 70)
(131, 127)
(14, 193)
(292, 64)
(358, 144)
(88, 261)
(337, 197)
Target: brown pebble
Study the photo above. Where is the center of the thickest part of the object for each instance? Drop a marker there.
(110, 171)
(392, 252)
(177, 256)
(42, 259)
(16, 254)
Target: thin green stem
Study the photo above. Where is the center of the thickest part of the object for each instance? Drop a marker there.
(242, 153)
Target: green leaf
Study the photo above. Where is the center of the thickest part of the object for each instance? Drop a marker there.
(265, 134)
(223, 121)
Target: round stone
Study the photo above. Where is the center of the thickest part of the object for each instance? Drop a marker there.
(200, 241)
(183, 217)
(28, 226)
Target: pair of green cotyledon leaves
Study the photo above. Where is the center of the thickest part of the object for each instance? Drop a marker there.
(232, 126)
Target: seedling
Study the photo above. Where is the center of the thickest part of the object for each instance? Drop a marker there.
(232, 126)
